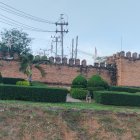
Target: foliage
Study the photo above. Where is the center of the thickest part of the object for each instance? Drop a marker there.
(27, 63)
(1, 81)
(16, 40)
(3, 49)
(78, 93)
(44, 57)
(37, 83)
(93, 89)
(23, 83)
(113, 73)
(31, 93)
(124, 89)
(97, 81)
(79, 82)
(117, 98)
(12, 81)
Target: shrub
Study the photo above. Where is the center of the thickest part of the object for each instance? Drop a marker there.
(93, 89)
(97, 81)
(1, 81)
(23, 83)
(78, 93)
(30, 93)
(79, 82)
(117, 98)
(124, 89)
(12, 81)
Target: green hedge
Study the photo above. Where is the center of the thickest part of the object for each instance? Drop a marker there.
(117, 98)
(29, 93)
(124, 89)
(79, 82)
(37, 83)
(12, 81)
(23, 83)
(77, 86)
(93, 89)
(97, 81)
(1, 78)
(78, 93)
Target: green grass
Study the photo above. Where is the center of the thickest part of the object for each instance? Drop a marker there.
(78, 106)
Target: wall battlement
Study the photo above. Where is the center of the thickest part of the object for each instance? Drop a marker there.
(76, 62)
(55, 73)
(127, 55)
(121, 68)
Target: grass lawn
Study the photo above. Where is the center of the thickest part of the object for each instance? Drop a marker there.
(21, 120)
(78, 106)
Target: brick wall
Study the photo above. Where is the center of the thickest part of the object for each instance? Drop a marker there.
(128, 72)
(55, 73)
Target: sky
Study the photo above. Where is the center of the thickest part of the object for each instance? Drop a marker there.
(108, 25)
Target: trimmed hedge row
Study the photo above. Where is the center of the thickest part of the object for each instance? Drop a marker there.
(29, 93)
(117, 98)
(124, 89)
(12, 81)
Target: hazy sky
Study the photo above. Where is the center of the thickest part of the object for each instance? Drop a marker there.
(99, 23)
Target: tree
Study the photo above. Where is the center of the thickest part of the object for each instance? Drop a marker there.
(3, 49)
(15, 41)
(28, 62)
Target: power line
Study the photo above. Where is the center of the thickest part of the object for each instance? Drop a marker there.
(86, 53)
(21, 27)
(22, 14)
(14, 22)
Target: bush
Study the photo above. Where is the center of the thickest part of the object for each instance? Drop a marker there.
(79, 82)
(30, 93)
(78, 93)
(124, 89)
(23, 83)
(12, 81)
(93, 89)
(1, 81)
(117, 98)
(97, 81)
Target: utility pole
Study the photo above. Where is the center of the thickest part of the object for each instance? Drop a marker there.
(76, 47)
(72, 48)
(56, 40)
(44, 51)
(62, 23)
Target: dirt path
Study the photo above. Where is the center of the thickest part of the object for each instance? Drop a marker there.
(70, 99)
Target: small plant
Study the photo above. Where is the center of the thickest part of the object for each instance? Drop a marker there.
(23, 83)
(79, 82)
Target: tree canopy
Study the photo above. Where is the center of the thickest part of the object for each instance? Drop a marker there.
(15, 41)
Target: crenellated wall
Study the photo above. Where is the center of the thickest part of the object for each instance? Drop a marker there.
(56, 72)
(128, 68)
(122, 69)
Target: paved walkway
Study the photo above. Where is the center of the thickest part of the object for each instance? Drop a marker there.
(70, 99)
